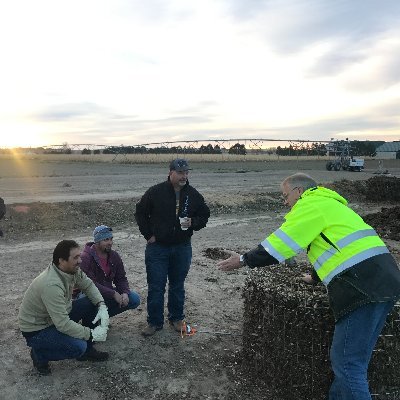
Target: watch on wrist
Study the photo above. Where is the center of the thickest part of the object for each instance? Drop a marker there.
(242, 260)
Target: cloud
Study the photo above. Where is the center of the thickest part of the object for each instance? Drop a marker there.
(62, 112)
(291, 25)
(335, 61)
(361, 68)
(92, 123)
(370, 121)
(382, 72)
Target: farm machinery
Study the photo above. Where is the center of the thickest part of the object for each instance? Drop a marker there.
(345, 160)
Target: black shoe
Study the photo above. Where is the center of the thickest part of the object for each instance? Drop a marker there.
(93, 355)
(43, 369)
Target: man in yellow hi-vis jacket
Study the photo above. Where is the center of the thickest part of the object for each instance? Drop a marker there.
(362, 277)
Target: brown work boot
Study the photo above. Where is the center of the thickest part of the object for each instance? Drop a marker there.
(150, 330)
(177, 325)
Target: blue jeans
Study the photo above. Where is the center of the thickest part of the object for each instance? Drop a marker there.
(49, 344)
(112, 305)
(353, 341)
(164, 262)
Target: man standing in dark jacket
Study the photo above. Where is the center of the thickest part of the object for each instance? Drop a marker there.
(105, 268)
(167, 215)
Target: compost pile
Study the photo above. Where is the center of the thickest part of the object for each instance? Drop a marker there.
(386, 222)
(287, 333)
(216, 253)
(378, 189)
(375, 189)
(383, 188)
(254, 203)
(39, 218)
(353, 191)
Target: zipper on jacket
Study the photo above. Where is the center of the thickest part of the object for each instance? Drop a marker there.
(327, 240)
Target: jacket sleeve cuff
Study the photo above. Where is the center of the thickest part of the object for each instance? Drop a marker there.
(259, 257)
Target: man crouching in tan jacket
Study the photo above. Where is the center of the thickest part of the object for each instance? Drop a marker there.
(48, 318)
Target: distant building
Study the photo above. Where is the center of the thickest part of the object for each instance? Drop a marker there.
(389, 150)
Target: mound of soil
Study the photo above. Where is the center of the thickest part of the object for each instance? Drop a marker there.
(245, 203)
(375, 189)
(383, 188)
(386, 222)
(216, 253)
(34, 218)
(39, 218)
(353, 191)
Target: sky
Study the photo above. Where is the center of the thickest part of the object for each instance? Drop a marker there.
(133, 72)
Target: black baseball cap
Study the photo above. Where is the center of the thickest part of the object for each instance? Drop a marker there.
(179, 164)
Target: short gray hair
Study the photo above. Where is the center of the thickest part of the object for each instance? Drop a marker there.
(300, 180)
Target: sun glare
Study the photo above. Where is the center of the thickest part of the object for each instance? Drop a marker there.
(17, 138)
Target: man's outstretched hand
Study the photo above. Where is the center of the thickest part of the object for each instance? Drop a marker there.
(230, 263)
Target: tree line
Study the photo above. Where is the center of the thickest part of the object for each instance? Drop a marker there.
(358, 148)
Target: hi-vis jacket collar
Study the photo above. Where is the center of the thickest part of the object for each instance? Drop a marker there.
(324, 192)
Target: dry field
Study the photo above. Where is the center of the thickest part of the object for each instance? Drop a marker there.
(53, 198)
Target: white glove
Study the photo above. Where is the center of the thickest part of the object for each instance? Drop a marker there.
(99, 334)
(102, 315)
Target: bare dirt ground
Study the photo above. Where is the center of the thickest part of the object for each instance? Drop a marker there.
(50, 201)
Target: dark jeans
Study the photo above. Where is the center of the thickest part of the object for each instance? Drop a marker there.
(51, 345)
(112, 305)
(353, 341)
(164, 262)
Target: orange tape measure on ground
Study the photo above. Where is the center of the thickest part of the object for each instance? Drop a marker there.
(187, 330)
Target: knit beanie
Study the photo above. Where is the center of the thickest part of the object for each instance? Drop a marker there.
(102, 232)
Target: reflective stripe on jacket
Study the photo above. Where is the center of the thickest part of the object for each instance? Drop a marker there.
(334, 236)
